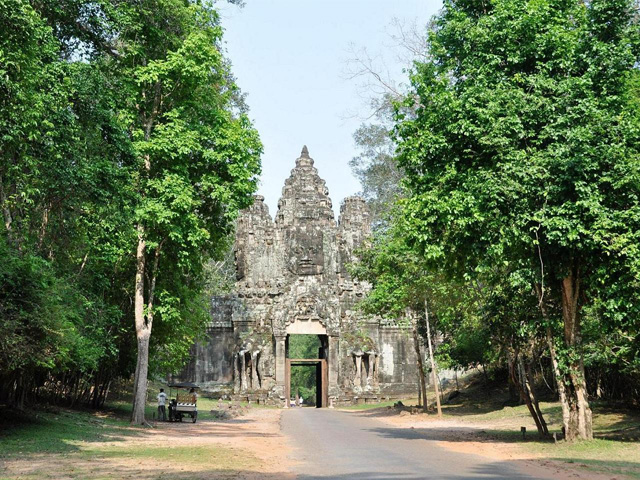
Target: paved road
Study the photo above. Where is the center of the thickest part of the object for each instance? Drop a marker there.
(329, 444)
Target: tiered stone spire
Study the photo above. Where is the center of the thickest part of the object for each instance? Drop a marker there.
(305, 195)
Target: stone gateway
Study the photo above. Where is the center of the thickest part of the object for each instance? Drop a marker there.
(292, 279)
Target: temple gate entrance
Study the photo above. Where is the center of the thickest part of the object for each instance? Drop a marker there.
(320, 364)
(322, 379)
(293, 280)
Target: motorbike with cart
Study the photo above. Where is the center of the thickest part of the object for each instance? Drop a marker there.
(185, 403)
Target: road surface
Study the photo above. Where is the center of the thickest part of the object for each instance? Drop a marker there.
(329, 444)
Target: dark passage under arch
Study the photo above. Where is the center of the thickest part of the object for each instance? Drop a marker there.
(302, 348)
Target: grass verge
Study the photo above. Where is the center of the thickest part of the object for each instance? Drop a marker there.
(614, 451)
(63, 443)
(58, 431)
(372, 406)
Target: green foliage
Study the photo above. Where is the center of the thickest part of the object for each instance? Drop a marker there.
(375, 165)
(518, 152)
(303, 346)
(521, 138)
(75, 105)
(521, 161)
(204, 159)
(401, 279)
(303, 378)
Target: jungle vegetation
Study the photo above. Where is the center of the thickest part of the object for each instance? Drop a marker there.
(516, 216)
(125, 155)
(505, 186)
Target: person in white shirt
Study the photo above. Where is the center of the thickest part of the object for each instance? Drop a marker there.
(162, 399)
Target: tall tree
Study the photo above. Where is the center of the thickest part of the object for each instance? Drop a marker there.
(121, 130)
(198, 157)
(521, 155)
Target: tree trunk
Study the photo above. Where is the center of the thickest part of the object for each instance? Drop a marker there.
(140, 382)
(144, 322)
(143, 334)
(43, 226)
(559, 378)
(6, 212)
(420, 365)
(106, 394)
(534, 399)
(7, 216)
(513, 388)
(434, 371)
(579, 425)
(525, 393)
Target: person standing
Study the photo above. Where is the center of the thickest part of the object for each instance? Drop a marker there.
(162, 400)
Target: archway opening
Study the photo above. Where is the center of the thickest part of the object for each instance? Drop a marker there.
(304, 346)
(306, 369)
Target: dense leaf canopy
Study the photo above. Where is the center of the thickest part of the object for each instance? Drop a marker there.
(113, 115)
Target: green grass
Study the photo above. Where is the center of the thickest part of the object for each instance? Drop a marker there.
(615, 449)
(222, 458)
(85, 444)
(61, 431)
(600, 455)
(64, 430)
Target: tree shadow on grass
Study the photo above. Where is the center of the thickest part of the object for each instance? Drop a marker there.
(56, 431)
(617, 424)
(499, 423)
(449, 434)
(609, 467)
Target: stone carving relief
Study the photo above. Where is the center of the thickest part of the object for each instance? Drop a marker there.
(254, 246)
(307, 308)
(363, 373)
(365, 377)
(251, 358)
(304, 252)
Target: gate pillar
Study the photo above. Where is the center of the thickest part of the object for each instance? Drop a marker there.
(333, 361)
(281, 357)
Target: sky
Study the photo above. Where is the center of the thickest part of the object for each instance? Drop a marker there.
(291, 58)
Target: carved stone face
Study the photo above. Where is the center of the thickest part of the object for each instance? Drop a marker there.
(305, 255)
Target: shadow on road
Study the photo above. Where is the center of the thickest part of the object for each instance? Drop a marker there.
(490, 471)
(456, 434)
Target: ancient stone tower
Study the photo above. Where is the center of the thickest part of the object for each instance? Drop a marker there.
(292, 279)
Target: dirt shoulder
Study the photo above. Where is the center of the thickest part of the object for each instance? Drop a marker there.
(499, 440)
(249, 447)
